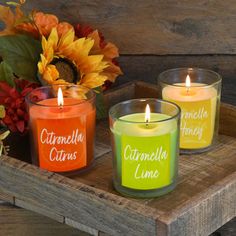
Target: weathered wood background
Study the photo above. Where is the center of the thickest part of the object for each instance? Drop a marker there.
(155, 35)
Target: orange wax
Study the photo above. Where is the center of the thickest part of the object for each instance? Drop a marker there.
(63, 137)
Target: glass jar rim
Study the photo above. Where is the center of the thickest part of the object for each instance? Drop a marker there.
(29, 101)
(178, 110)
(218, 77)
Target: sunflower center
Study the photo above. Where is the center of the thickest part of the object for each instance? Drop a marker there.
(67, 70)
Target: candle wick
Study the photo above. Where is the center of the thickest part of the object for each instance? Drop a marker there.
(147, 123)
(61, 106)
(187, 89)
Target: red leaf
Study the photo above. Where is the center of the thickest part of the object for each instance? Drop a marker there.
(5, 87)
(12, 127)
(26, 116)
(82, 31)
(10, 111)
(13, 105)
(20, 125)
(26, 91)
(20, 112)
(8, 100)
(19, 102)
(14, 93)
(7, 120)
(15, 117)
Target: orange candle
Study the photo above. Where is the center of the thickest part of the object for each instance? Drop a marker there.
(63, 133)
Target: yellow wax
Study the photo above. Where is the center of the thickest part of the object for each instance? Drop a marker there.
(198, 110)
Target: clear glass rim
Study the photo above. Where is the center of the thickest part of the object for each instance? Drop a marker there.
(178, 111)
(162, 81)
(89, 90)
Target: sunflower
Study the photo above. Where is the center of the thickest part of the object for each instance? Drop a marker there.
(67, 60)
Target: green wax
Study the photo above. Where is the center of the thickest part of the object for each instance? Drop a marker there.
(145, 154)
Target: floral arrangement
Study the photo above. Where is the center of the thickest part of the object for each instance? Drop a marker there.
(37, 49)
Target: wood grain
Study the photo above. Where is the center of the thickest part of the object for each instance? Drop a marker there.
(82, 203)
(81, 227)
(6, 197)
(155, 26)
(199, 200)
(19, 222)
(39, 209)
(203, 200)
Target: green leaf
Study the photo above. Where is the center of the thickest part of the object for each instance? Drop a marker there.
(2, 111)
(6, 73)
(4, 135)
(1, 148)
(101, 111)
(15, 4)
(21, 53)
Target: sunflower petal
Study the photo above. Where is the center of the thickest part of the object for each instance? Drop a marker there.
(88, 44)
(75, 50)
(53, 38)
(93, 63)
(42, 64)
(7, 16)
(50, 74)
(66, 40)
(93, 80)
(96, 47)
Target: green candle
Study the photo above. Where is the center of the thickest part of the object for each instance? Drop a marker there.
(145, 151)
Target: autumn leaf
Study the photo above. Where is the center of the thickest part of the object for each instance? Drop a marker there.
(2, 111)
(112, 71)
(4, 135)
(110, 51)
(6, 74)
(21, 53)
(9, 19)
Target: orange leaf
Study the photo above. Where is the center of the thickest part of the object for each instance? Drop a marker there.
(96, 46)
(112, 71)
(110, 51)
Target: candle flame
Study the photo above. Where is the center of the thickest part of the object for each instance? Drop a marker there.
(188, 82)
(60, 100)
(147, 114)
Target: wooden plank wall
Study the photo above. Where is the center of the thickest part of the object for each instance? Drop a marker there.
(155, 35)
(156, 27)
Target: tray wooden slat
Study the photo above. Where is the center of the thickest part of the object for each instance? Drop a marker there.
(203, 200)
(16, 221)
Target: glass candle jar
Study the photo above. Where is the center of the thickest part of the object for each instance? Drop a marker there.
(62, 124)
(145, 145)
(197, 92)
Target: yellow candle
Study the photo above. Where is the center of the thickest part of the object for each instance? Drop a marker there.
(198, 109)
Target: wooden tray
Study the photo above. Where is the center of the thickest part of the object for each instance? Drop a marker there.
(203, 200)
